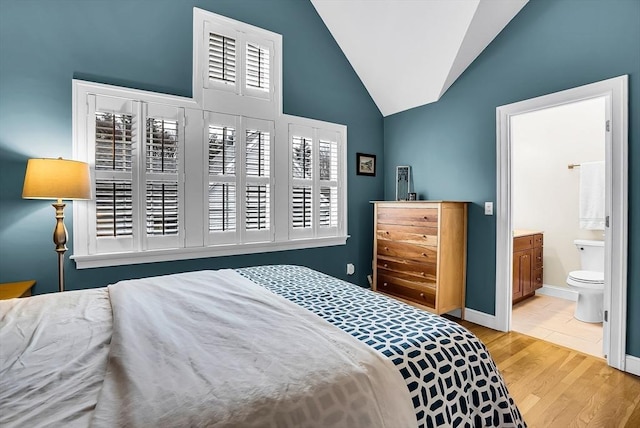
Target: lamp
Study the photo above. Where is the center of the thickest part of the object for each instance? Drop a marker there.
(57, 179)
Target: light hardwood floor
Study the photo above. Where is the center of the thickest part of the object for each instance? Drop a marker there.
(555, 386)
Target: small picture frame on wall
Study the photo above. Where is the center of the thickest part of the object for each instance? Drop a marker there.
(403, 177)
(365, 164)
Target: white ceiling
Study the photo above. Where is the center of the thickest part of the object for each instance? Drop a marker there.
(408, 52)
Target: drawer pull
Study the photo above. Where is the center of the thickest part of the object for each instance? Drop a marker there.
(386, 248)
(424, 254)
(422, 295)
(384, 284)
(422, 273)
(424, 236)
(386, 265)
(387, 232)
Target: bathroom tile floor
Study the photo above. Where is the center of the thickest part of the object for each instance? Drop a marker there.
(551, 319)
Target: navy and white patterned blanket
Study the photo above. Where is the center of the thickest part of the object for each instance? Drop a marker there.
(452, 379)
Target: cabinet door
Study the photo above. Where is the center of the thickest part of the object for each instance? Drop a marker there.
(517, 277)
(526, 273)
(522, 281)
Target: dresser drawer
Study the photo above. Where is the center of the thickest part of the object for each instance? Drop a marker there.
(538, 240)
(537, 278)
(411, 234)
(408, 216)
(522, 243)
(403, 250)
(423, 295)
(537, 257)
(413, 269)
(425, 280)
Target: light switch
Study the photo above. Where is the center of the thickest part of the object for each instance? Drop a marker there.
(488, 208)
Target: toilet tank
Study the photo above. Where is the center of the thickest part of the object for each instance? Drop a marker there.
(591, 254)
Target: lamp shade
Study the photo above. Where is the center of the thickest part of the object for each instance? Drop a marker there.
(56, 179)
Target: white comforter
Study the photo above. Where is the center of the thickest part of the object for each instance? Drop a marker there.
(53, 354)
(214, 349)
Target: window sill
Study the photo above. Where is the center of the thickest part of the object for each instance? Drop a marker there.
(164, 255)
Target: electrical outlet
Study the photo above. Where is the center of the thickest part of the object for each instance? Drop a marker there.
(488, 208)
(351, 269)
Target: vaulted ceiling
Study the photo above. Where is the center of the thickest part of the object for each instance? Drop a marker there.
(409, 52)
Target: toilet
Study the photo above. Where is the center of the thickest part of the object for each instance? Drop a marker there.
(589, 281)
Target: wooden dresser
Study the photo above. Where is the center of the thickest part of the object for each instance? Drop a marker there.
(419, 253)
(527, 263)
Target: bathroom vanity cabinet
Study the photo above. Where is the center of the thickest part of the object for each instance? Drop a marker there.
(527, 263)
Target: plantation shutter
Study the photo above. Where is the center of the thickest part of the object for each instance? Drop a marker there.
(163, 186)
(302, 176)
(257, 67)
(113, 127)
(316, 197)
(221, 69)
(302, 207)
(258, 147)
(221, 168)
(114, 215)
(328, 183)
(114, 208)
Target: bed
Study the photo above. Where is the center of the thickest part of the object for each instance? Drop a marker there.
(266, 346)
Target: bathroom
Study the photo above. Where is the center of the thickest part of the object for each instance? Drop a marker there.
(558, 195)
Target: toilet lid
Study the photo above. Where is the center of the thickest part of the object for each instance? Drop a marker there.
(587, 276)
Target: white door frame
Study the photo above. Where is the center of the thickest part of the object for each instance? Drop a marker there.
(615, 293)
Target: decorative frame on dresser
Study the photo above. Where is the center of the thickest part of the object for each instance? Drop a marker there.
(419, 253)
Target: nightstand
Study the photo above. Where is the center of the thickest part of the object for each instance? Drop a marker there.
(11, 290)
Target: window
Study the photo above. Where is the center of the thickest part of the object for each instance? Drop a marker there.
(162, 185)
(257, 67)
(236, 67)
(221, 167)
(222, 59)
(258, 178)
(314, 181)
(113, 146)
(220, 174)
(240, 176)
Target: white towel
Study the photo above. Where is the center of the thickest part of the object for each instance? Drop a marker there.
(592, 195)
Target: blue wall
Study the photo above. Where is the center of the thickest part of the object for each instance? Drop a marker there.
(147, 44)
(451, 144)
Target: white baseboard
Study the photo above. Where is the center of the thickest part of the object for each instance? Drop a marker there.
(560, 292)
(481, 318)
(476, 317)
(632, 365)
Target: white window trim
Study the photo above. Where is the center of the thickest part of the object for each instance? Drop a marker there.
(247, 106)
(195, 245)
(315, 129)
(235, 99)
(152, 256)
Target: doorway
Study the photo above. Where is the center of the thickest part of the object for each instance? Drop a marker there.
(552, 149)
(614, 93)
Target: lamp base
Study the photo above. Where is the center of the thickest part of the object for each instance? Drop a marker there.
(60, 239)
